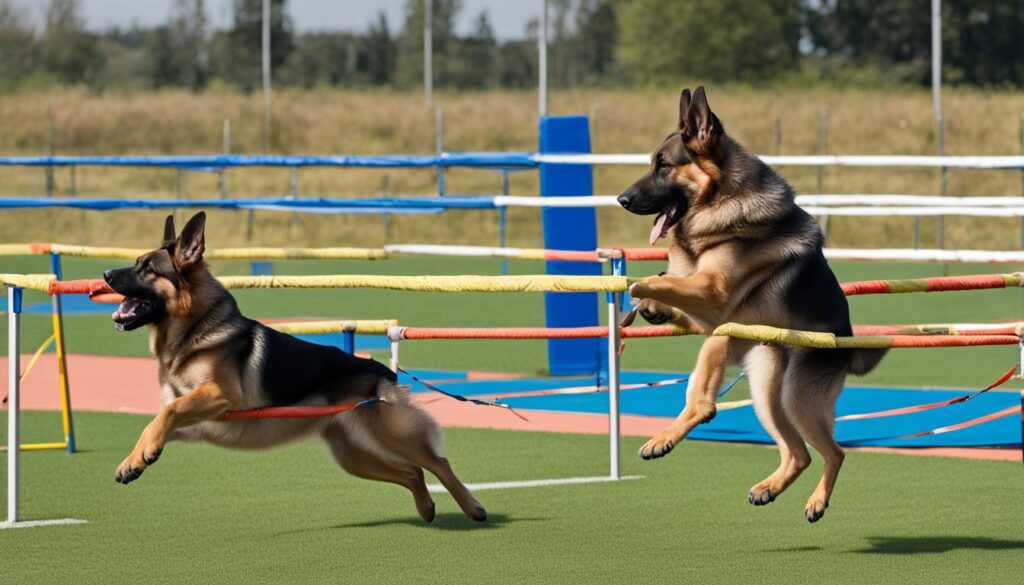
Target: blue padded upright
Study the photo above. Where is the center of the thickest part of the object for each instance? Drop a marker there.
(569, 229)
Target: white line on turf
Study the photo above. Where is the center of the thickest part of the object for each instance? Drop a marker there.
(38, 523)
(530, 483)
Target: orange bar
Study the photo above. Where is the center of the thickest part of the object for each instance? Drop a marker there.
(106, 298)
(571, 255)
(952, 340)
(642, 254)
(77, 287)
(944, 283)
(909, 330)
(866, 287)
(534, 332)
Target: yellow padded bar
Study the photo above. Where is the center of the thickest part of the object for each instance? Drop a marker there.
(18, 249)
(40, 282)
(370, 326)
(97, 251)
(296, 254)
(226, 253)
(461, 283)
(777, 335)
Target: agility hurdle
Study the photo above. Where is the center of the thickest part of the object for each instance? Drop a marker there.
(14, 298)
(349, 328)
(613, 286)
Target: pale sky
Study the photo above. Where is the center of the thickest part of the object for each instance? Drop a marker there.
(508, 17)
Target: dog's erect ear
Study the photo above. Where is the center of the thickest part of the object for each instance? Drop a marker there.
(169, 235)
(684, 107)
(191, 243)
(702, 125)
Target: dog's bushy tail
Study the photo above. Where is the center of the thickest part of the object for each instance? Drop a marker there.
(863, 361)
(391, 392)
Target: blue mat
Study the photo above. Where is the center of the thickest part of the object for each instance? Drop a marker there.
(742, 424)
(363, 342)
(70, 304)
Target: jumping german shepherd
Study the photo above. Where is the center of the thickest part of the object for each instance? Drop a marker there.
(742, 251)
(212, 359)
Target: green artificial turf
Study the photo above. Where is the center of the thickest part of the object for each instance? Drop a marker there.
(208, 515)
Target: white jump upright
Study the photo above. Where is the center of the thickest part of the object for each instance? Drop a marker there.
(14, 419)
(393, 358)
(13, 406)
(613, 374)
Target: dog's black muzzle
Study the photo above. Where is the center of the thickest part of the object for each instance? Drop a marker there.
(141, 305)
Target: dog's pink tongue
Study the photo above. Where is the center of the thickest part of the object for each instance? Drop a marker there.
(125, 309)
(658, 229)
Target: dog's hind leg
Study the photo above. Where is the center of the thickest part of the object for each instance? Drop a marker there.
(701, 392)
(411, 434)
(809, 398)
(765, 366)
(361, 462)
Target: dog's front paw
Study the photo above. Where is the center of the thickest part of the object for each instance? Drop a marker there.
(136, 463)
(656, 313)
(657, 447)
(130, 469)
(763, 493)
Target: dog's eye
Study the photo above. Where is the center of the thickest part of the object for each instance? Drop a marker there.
(148, 270)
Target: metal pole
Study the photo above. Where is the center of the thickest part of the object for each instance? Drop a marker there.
(49, 168)
(778, 136)
(393, 361)
(937, 104)
(943, 182)
(62, 359)
(613, 374)
(226, 149)
(13, 400)
(821, 147)
(385, 192)
(937, 58)
(542, 61)
(822, 122)
(428, 52)
(439, 145)
(502, 221)
(293, 186)
(266, 75)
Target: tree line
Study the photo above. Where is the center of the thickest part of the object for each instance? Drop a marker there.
(591, 43)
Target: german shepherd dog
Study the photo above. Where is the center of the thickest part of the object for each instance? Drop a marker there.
(742, 251)
(212, 359)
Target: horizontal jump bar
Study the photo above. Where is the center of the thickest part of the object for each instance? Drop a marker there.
(525, 160)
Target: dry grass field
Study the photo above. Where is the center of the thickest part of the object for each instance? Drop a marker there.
(331, 122)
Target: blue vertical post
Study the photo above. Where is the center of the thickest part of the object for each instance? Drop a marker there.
(348, 342)
(569, 229)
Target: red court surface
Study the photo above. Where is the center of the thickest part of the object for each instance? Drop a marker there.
(124, 384)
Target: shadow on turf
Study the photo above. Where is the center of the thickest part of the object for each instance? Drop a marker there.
(898, 545)
(454, 522)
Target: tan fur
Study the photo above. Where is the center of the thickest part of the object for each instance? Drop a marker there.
(393, 440)
(732, 258)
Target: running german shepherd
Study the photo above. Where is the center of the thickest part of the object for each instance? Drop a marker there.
(212, 359)
(742, 251)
